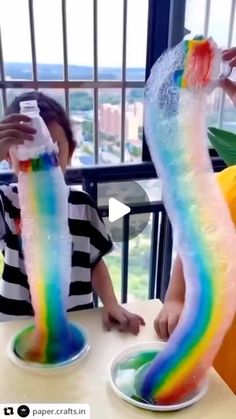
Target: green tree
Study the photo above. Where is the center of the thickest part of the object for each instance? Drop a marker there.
(112, 99)
(111, 138)
(87, 127)
(86, 149)
(140, 133)
(81, 101)
(135, 95)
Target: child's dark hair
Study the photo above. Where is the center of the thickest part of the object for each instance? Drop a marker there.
(50, 111)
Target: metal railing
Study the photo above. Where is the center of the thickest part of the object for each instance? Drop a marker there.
(161, 233)
(66, 84)
(229, 30)
(229, 43)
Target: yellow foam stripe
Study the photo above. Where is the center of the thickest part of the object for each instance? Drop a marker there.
(39, 285)
(219, 277)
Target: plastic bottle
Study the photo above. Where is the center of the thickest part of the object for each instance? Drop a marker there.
(42, 141)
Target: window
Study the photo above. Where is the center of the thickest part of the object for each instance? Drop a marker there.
(90, 56)
(217, 19)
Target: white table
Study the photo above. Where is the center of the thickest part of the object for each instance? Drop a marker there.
(87, 381)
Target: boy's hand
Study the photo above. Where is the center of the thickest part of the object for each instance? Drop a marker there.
(123, 320)
(14, 129)
(168, 318)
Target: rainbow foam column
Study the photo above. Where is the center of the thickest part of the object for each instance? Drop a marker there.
(43, 198)
(204, 235)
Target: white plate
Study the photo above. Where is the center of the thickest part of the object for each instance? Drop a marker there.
(47, 369)
(146, 346)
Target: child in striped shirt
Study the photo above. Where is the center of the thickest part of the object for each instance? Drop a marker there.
(90, 241)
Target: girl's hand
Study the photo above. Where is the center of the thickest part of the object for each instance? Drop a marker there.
(14, 130)
(229, 55)
(168, 318)
(122, 319)
(228, 85)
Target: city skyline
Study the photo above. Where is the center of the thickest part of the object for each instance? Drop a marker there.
(110, 119)
(49, 43)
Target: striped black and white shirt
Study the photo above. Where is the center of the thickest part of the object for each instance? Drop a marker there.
(90, 243)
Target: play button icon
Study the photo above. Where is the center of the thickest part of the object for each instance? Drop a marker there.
(117, 210)
(125, 209)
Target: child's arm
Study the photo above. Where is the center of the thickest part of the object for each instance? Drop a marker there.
(169, 315)
(113, 313)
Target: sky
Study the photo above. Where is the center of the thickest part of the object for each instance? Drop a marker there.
(219, 19)
(48, 29)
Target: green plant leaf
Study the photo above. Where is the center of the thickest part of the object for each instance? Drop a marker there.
(224, 143)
